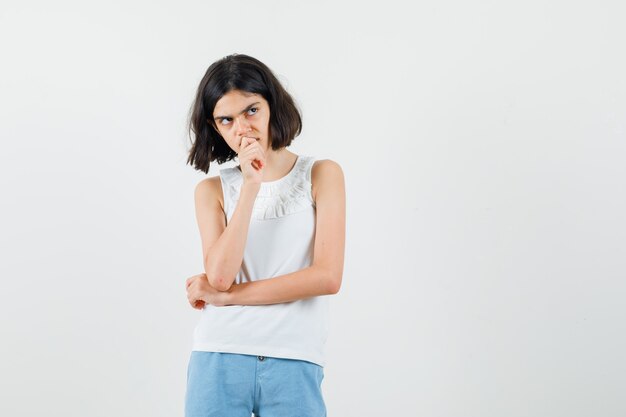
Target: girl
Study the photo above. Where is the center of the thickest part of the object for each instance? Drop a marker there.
(273, 236)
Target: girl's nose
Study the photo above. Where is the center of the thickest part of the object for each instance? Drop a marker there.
(242, 126)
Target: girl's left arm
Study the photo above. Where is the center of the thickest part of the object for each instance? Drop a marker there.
(324, 276)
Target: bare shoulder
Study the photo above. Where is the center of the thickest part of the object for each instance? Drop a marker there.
(210, 189)
(326, 174)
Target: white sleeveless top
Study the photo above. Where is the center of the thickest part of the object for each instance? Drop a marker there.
(280, 241)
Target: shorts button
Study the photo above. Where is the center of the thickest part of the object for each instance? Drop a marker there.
(261, 358)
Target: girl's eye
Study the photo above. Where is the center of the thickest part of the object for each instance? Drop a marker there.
(227, 119)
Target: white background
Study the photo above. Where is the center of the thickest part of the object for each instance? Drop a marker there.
(483, 146)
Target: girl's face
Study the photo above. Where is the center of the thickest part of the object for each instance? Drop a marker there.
(240, 113)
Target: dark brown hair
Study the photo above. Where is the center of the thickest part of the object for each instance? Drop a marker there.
(245, 73)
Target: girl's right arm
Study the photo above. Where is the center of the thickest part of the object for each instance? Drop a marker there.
(223, 245)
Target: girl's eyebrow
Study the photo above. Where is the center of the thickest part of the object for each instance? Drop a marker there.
(243, 111)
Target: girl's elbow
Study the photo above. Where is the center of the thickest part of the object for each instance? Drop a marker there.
(220, 283)
(334, 284)
(218, 279)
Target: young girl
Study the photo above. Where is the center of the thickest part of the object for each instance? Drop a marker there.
(273, 235)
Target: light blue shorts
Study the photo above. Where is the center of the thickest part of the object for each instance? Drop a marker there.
(234, 385)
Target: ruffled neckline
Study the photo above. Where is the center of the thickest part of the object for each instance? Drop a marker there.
(278, 198)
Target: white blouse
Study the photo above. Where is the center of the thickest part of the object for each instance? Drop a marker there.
(280, 241)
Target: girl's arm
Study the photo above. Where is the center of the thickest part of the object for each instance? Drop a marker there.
(222, 245)
(324, 275)
(305, 283)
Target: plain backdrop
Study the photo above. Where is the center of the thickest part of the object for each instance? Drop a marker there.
(483, 147)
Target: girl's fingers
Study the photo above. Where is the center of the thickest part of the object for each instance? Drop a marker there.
(193, 302)
(254, 147)
(250, 143)
(251, 153)
(245, 141)
(256, 153)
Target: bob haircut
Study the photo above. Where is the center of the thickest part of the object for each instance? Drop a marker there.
(248, 74)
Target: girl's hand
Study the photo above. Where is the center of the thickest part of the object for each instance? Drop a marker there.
(252, 160)
(200, 293)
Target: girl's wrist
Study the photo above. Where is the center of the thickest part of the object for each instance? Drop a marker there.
(250, 187)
